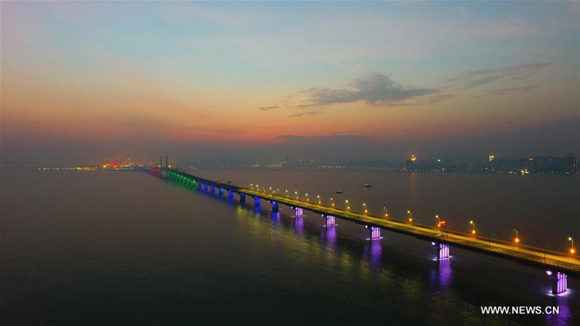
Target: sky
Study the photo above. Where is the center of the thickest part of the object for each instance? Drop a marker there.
(262, 80)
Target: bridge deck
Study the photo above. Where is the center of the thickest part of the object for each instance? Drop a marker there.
(524, 254)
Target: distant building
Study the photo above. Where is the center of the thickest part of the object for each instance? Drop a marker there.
(556, 164)
(553, 164)
(410, 164)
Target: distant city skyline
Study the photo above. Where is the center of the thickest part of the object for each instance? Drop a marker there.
(249, 80)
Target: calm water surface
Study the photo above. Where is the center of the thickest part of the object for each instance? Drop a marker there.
(127, 248)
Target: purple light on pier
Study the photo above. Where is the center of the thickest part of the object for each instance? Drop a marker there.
(559, 282)
(299, 212)
(375, 233)
(442, 250)
(330, 220)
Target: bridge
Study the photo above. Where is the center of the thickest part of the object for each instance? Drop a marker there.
(557, 265)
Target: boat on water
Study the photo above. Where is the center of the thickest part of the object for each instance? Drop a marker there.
(366, 185)
(339, 191)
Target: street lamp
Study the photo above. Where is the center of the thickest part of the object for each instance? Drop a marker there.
(386, 212)
(332, 201)
(410, 216)
(346, 204)
(287, 195)
(572, 250)
(438, 219)
(319, 200)
(517, 238)
(472, 227)
(307, 198)
(365, 209)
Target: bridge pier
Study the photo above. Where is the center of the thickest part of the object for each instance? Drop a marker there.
(330, 220)
(275, 206)
(230, 194)
(205, 187)
(375, 232)
(212, 189)
(299, 211)
(442, 250)
(559, 282)
(221, 191)
(242, 198)
(256, 202)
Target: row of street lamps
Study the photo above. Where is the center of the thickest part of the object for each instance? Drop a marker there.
(439, 222)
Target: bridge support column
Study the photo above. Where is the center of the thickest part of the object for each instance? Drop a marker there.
(256, 201)
(375, 232)
(230, 194)
(213, 189)
(299, 212)
(275, 207)
(559, 282)
(205, 186)
(242, 198)
(442, 250)
(330, 220)
(221, 191)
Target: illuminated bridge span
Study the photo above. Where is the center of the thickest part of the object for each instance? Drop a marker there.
(557, 265)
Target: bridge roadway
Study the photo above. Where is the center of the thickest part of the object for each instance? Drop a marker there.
(523, 254)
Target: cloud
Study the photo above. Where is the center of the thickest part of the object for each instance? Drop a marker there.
(328, 138)
(297, 115)
(375, 89)
(269, 108)
(474, 78)
(503, 91)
